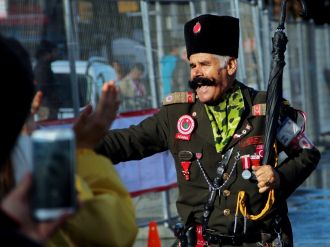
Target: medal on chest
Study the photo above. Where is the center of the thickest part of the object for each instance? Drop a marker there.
(185, 126)
(246, 164)
(185, 162)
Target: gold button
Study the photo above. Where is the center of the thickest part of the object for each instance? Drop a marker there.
(226, 193)
(225, 176)
(226, 212)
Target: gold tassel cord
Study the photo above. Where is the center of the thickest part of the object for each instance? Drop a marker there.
(241, 200)
(242, 205)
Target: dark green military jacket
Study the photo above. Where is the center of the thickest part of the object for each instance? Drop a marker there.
(158, 133)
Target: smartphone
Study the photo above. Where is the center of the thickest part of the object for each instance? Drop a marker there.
(53, 159)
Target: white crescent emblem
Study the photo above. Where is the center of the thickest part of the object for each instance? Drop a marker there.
(186, 124)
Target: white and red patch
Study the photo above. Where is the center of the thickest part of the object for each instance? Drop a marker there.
(185, 126)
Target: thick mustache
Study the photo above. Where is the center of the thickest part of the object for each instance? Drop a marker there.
(201, 81)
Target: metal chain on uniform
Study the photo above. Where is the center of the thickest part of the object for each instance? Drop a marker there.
(209, 205)
(207, 179)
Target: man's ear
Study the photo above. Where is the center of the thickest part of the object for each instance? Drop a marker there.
(232, 66)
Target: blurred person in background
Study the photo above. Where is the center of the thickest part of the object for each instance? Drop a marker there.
(45, 79)
(119, 70)
(132, 89)
(167, 65)
(181, 72)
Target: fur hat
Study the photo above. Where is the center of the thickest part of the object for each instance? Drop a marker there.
(212, 34)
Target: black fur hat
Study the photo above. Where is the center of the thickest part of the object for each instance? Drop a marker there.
(212, 34)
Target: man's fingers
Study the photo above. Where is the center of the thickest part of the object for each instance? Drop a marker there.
(36, 103)
(111, 83)
(263, 186)
(108, 104)
(46, 229)
(255, 168)
(82, 120)
(263, 189)
(266, 177)
(85, 114)
(87, 111)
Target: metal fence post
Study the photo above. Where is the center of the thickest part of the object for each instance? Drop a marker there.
(260, 60)
(306, 90)
(159, 38)
(166, 207)
(203, 6)
(147, 40)
(321, 38)
(326, 29)
(241, 68)
(72, 52)
(192, 9)
(312, 88)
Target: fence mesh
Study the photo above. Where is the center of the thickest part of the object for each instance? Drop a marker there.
(148, 35)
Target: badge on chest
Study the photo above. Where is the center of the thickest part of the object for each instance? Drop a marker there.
(185, 126)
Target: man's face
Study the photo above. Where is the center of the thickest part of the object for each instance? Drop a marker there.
(205, 65)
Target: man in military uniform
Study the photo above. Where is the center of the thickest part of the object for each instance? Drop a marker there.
(216, 138)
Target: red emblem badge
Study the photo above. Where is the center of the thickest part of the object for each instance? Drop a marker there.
(197, 28)
(198, 156)
(260, 150)
(186, 125)
(185, 172)
(190, 97)
(255, 160)
(257, 110)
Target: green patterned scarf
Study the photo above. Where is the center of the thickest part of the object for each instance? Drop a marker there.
(226, 116)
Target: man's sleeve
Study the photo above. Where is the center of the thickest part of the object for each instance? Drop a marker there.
(294, 171)
(299, 164)
(138, 141)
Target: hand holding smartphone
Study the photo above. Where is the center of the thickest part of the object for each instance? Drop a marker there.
(53, 159)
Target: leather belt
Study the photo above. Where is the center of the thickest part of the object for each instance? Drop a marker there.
(234, 240)
(193, 236)
(213, 237)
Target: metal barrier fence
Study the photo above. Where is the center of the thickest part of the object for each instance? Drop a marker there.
(151, 33)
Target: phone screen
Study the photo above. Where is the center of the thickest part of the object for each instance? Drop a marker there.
(53, 173)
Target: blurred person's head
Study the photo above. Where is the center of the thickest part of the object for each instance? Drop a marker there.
(118, 68)
(46, 50)
(18, 91)
(137, 71)
(183, 53)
